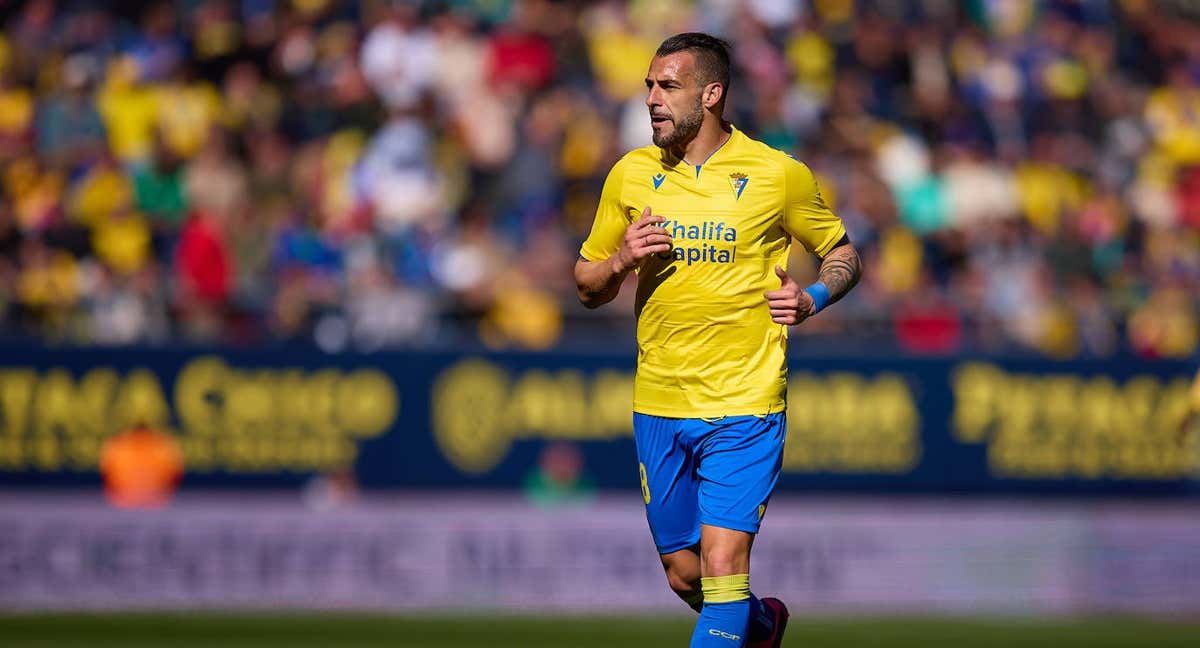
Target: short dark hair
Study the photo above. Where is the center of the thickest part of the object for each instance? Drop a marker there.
(712, 55)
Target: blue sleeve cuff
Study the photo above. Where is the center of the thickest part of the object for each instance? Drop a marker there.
(819, 294)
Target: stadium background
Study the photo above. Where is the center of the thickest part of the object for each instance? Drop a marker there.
(319, 253)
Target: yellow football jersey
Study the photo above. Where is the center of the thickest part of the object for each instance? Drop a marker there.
(707, 346)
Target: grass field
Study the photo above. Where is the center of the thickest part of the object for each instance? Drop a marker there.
(338, 630)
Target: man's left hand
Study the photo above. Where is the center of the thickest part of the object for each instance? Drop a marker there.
(789, 305)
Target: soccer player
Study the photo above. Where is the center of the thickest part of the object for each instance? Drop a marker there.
(705, 217)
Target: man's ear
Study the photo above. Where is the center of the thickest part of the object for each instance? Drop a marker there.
(713, 94)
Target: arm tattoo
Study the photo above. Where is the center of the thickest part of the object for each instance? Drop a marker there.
(840, 270)
(807, 309)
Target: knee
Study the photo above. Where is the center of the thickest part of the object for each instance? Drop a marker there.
(725, 561)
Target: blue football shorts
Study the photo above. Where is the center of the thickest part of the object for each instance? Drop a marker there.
(718, 472)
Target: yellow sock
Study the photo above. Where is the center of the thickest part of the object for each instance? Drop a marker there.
(725, 589)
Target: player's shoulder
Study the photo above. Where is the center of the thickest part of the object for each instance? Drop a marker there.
(635, 168)
(643, 158)
(772, 159)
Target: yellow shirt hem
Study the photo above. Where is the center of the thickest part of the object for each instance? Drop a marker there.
(727, 409)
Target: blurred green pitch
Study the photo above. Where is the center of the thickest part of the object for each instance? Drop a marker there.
(342, 630)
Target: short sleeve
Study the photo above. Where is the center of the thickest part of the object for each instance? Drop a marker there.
(608, 229)
(805, 214)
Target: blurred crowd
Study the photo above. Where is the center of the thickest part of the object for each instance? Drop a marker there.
(1020, 176)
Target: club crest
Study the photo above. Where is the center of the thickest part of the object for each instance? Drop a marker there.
(738, 181)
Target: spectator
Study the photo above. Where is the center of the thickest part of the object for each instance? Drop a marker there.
(204, 275)
(1025, 176)
(70, 131)
(141, 467)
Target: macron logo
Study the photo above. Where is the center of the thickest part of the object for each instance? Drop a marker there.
(724, 635)
(658, 180)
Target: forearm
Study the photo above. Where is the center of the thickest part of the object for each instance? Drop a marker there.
(598, 282)
(840, 271)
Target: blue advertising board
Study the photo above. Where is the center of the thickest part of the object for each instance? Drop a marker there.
(451, 420)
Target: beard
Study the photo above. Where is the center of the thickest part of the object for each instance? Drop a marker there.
(683, 129)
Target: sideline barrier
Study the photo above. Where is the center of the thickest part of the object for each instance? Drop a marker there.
(499, 552)
(438, 420)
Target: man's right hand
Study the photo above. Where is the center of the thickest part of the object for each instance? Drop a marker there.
(642, 238)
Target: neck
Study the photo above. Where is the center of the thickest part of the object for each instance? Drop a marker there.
(713, 133)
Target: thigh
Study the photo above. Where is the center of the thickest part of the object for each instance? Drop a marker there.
(739, 460)
(667, 470)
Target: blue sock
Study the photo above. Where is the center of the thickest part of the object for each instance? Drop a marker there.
(725, 619)
(762, 622)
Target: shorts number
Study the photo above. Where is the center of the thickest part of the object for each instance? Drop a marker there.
(645, 486)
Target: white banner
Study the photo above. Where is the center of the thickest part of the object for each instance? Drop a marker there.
(490, 552)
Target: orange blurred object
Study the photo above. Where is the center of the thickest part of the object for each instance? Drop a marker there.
(141, 468)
